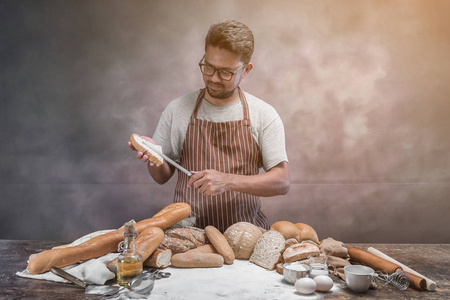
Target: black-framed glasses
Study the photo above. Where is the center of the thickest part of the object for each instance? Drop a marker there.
(209, 70)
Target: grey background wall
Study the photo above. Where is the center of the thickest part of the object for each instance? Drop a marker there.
(362, 87)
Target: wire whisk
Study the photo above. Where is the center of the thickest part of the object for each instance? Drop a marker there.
(400, 279)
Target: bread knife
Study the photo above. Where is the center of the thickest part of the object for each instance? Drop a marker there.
(67, 276)
(151, 147)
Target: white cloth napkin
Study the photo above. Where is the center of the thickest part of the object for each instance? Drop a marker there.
(93, 271)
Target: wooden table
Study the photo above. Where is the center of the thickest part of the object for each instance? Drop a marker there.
(431, 260)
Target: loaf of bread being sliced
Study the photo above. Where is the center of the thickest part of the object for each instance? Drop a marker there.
(268, 248)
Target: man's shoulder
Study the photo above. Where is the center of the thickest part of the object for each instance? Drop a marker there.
(184, 102)
(259, 106)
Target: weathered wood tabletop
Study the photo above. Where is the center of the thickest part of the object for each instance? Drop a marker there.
(431, 260)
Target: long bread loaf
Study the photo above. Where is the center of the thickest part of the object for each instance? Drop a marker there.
(106, 243)
(220, 243)
(197, 259)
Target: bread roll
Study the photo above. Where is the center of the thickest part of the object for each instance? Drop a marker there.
(180, 240)
(307, 233)
(196, 259)
(159, 259)
(220, 244)
(154, 157)
(105, 243)
(299, 251)
(287, 229)
(242, 237)
(267, 252)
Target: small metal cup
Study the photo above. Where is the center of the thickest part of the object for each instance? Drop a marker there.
(293, 271)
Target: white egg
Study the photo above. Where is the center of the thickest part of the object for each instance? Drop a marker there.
(305, 286)
(324, 283)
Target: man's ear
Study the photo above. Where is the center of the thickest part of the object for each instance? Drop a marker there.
(247, 69)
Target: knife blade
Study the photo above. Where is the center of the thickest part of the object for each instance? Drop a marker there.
(67, 276)
(151, 147)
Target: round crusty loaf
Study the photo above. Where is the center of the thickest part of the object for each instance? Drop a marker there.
(242, 237)
(287, 229)
(220, 244)
(307, 232)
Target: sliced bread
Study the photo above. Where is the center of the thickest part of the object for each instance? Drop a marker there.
(268, 248)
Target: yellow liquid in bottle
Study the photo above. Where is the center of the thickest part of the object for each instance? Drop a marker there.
(127, 269)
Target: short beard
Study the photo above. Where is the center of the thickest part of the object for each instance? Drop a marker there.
(219, 94)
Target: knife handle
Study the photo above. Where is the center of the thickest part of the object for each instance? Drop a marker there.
(67, 276)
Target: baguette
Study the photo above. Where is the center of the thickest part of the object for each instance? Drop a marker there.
(196, 259)
(152, 156)
(220, 244)
(104, 244)
(146, 243)
(159, 259)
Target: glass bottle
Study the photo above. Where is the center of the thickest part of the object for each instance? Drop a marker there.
(129, 262)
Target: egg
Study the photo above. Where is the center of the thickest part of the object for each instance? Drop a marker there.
(305, 286)
(324, 283)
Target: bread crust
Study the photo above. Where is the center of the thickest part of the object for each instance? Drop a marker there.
(220, 244)
(159, 259)
(287, 229)
(299, 251)
(182, 239)
(242, 238)
(196, 259)
(104, 244)
(151, 157)
(307, 232)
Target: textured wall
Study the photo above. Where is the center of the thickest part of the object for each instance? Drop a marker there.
(362, 87)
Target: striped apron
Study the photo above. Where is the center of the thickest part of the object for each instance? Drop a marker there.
(226, 147)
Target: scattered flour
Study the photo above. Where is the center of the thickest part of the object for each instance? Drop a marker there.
(241, 280)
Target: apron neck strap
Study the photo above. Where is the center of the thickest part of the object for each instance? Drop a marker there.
(202, 93)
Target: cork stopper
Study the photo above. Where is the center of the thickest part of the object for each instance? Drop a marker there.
(129, 230)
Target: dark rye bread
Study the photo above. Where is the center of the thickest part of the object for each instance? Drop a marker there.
(180, 240)
(268, 248)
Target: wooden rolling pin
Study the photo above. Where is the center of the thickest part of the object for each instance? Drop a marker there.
(430, 284)
(380, 264)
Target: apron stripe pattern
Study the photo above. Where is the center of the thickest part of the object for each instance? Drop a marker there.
(226, 147)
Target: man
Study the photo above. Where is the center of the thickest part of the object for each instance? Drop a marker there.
(223, 136)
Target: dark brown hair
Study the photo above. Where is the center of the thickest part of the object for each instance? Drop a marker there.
(233, 36)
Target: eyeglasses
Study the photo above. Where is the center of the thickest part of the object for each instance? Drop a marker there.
(209, 70)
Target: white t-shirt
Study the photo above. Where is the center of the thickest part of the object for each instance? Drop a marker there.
(266, 124)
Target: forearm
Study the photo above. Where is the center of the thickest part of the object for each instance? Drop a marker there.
(274, 182)
(161, 174)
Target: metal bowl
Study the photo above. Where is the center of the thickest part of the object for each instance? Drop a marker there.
(142, 284)
(295, 270)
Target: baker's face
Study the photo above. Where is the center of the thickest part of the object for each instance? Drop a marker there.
(223, 59)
